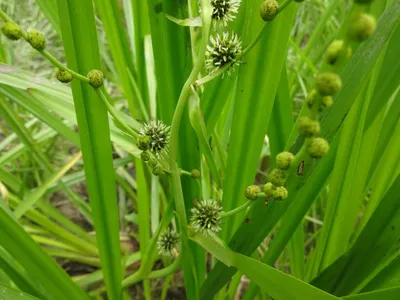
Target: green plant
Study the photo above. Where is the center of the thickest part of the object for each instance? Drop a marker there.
(172, 119)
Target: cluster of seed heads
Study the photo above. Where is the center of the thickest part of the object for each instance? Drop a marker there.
(167, 242)
(206, 216)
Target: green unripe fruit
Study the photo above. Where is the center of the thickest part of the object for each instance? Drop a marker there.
(326, 102)
(328, 84)
(153, 162)
(312, 98)
(12, 31)
(96, 78)
(36, 39)
(277, 177)
(318, 147)
(362, 27)
(308, 127)
(280, 193)
(157, 170)
(195, 174)
(269, 190)
(145, 156)
(334, 50)
(284, 159)
(64, 76)
(252, 191)
(143, 142)
(269, 10)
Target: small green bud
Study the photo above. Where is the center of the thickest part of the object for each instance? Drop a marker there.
(36, 39)
(252, 191)
(284, 159)
(312, 98)
(269, 10)
(334, 50)
(328, 84)
(96, 78)
(12, 31)
(362, 27)
(280, 193)
(145, 156)
(269, 190)
(195, 174)
(326, 102)
(277, 177)
(153, 162)
(64, 76)
(157, 170)
(308, 127)
(143, 142)
(318, 147)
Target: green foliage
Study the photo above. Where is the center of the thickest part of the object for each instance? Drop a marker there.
(219, 139)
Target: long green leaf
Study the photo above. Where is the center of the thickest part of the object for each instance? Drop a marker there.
(12, 294)
(81, 48)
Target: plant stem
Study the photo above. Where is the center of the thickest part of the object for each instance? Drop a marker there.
(237, 209)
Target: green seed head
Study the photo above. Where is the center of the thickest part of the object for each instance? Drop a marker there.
(269, 10)
(312, 98)
(96, 78)
(64, 76)
(145, 156)
(277, 177)
(318, 147)
(143, 142)
(280, 193)
(326, 102)
(153, 162)
(195, 174)
(36, 39)
(334, 50)
(157, 170)
(167, 241)
(328, 84)
(206, 216)
(252, 191)
(308, 127)
(12, 31)
(269, 190)
(362, 27)
(284, 159)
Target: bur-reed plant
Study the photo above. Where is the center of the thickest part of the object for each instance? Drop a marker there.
(195, 157)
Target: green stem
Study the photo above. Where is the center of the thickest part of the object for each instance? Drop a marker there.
(284, 5)
(113, 113)
(237, 209)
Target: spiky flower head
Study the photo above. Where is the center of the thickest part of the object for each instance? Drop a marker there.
(252, 192)
(158, 134)
(224, 11)
(335, 49)
(284, 159)
(206, 216)
(145, 156)
(167, 241)
(12, 31)
(195, 174)
(157, 170)
(280, 193)
(96, 78)
(326, 102)
(224, 49)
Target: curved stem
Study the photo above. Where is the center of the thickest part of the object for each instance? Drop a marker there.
(237, 209)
